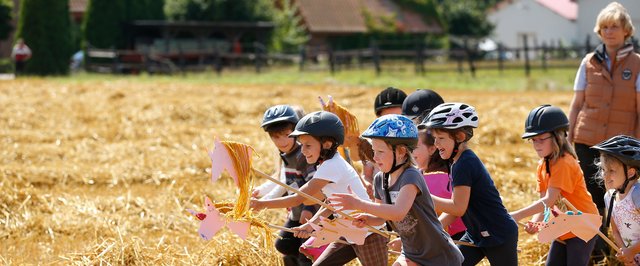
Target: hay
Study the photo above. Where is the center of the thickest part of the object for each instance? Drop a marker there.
(100, 172)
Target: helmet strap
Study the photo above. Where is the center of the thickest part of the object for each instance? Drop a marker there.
(394, 167)
(456, 148)
(626, 180)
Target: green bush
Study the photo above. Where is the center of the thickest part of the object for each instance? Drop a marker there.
(45, 27)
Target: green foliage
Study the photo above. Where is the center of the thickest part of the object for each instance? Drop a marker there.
(45, 27)
(105, 20)
(219, 10)
(464, 19)
(426, 8)
(467, 17)
(289, 34)
(6, 7)
(379, 23)
(102, 23)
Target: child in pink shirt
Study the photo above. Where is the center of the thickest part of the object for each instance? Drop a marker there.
(435, 171)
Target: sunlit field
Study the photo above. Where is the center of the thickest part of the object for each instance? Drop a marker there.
(100, 170)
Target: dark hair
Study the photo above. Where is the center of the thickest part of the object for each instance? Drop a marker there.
(279, 127)
(467, 130)
(436, 163)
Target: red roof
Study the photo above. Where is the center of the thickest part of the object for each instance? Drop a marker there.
(78, 5)
(347, 16)
(565, 8)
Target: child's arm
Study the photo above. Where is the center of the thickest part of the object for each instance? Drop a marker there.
(446, 220)
(313, 188)
(549, 199)
(625, 255)
(458, 203)
(393, 212)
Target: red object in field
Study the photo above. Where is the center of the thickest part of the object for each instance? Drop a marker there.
(201, 216)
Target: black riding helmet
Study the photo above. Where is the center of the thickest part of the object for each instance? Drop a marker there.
(420, 103)
(278, 114)
(624, 148)
(320, 124)
(389, 97)
(544, 118)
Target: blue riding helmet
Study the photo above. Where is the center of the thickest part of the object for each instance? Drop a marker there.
(394, 129)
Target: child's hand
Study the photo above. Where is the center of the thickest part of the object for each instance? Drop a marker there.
(256, 204)
(626, 256)
(395, 245)
(255, 193)
(305, 216)
(360, 220)
(346, 201)
(303, 231)
(531, 227)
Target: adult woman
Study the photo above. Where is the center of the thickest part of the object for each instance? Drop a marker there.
(607, 93)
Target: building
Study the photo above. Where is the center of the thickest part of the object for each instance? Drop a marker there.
(328, 19)
(541, 21)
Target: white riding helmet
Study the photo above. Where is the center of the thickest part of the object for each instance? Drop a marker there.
(452, 116)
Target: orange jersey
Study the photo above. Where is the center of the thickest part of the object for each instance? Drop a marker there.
(567, 176)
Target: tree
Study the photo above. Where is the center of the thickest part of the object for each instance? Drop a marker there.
(289, 34)
(102, 23)
(219, 10)
(5, 18)
(44, 25)
(105, 21)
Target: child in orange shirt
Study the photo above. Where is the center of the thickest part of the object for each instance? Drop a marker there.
(559, 175)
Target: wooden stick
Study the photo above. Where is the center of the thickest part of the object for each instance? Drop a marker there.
(282, 228)
(605, 238)
(317, 201)
(464, 243)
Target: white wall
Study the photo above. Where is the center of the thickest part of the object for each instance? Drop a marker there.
(538, 22)
(588, 11)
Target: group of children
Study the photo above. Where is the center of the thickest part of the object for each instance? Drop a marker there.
(431, 188)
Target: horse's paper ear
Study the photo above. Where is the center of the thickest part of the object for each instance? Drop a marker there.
(221, 161)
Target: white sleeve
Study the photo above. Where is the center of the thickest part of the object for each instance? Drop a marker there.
(265, 188)
(329, 171)
(278, 191)
(580, 83)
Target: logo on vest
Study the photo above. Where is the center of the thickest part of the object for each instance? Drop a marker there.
(626, 74)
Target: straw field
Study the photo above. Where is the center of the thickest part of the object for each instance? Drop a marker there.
(101, 172)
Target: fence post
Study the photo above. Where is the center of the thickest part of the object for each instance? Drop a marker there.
(332, 60)
(217, 61)
(527, 67)
(469, 52)
(419, 57)
(587, 45)
(376, 56)
(501, 55)
(258, 50)
(544, 56)
(303, 57)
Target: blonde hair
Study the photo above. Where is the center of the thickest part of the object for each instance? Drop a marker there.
(561, 145)
(615, 12)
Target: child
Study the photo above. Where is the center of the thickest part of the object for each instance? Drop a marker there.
(320, 134)
(619, 168)
(419, 103)
(436, 175)
(559, 175)
(279, 121)
(388, 101)
(402, 196)
(475, 197)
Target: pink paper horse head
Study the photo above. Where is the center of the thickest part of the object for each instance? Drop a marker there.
(212, 222)
(583, 225)
(331, 230)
